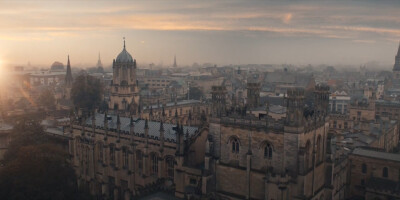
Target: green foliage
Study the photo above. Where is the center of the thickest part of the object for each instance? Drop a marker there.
(36, 167)
(87, 92)
(195, 93)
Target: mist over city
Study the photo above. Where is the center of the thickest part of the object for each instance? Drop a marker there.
(199, 100)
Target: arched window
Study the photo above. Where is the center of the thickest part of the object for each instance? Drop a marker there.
(364, 168)
(112, 155)
(385, 172)
(170, 167)
(139, 161)
(125, 158)
(100, 150)
(154, 164)
(307, 152)
(268, 151)
(319, 153)
(235, 145)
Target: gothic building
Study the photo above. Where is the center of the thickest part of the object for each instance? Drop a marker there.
(282, 157)
(276, 155)
(124, 96)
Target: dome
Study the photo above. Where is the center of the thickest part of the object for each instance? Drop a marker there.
(124, 56)
(57, 66)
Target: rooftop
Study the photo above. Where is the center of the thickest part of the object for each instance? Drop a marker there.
(377, 154)
(154, 127)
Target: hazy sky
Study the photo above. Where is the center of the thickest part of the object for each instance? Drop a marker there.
(221, 32)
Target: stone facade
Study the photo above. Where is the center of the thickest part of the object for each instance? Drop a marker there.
(121, 158)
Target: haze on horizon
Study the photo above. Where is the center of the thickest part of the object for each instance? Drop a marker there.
(221, 32)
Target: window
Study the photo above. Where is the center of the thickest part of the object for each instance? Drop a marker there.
(307, 152)
(139, 161)
(319, 153)
(362, 182)
(268, 151)
(385, 172)
(170, 167)
(364, 168)
(100, 146)
(112, 155)
(235, 145)
(154, 164)
(125, 157)
(345, 125)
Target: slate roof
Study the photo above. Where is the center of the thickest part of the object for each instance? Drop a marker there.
(154, 127)
(183, 102)
(377, 154)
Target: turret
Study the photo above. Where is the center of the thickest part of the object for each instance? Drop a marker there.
(93, 124)
(146, 132)
(132, 130)
(161, 136)
(118, 128)
(294, 107)
(105, 126)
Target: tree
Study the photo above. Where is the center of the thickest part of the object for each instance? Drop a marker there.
(46, 99)
(195, 93)
(87, 92)
(35, 167)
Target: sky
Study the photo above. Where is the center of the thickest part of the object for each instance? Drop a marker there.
(345, 32)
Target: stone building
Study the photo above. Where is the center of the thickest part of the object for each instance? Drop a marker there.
(374, 174)
(263, 158)
(124, 95)
(121, 158)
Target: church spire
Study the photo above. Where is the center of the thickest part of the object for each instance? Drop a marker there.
(68, 76)
(396, 66)
(175, 65)
(99, 64)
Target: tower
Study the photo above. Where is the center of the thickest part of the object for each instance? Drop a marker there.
(68, 76)
(294, 107)
(124, 96)
(218, 100)
(175, 65)
(253, 95)
(99, 65)
(68, 80)
(396, 67)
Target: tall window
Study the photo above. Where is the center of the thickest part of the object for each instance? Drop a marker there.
(319, 149)
(268, 151)
(385, 172)
(100, 149)
(307, 156)
(170, 167)
(154, 164)
(364, 168)
(112, 155)
(235, 145)
(139, 161)
(125, 157)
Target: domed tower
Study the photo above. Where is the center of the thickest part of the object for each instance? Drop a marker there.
(124, 96)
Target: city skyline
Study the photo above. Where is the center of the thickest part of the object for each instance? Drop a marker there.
(223, 32)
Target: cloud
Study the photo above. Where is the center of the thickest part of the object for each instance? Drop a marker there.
(287, 18)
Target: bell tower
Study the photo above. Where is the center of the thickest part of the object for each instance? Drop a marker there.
(124, 96)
